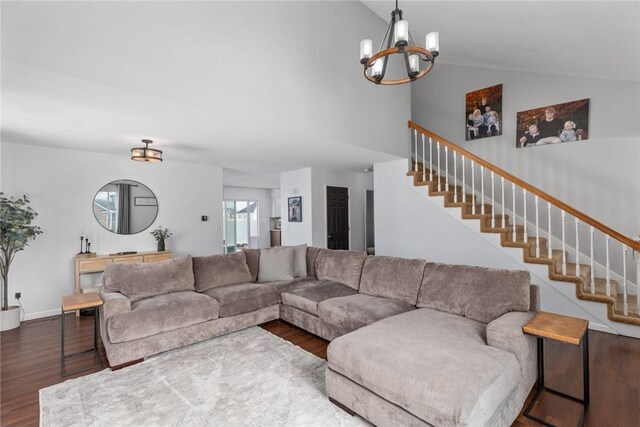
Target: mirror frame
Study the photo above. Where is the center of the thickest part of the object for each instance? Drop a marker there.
(133, 181)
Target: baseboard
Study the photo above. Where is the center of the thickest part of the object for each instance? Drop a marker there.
(40, 314)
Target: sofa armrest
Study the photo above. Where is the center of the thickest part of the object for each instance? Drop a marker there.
(506, 334)
(114, 303)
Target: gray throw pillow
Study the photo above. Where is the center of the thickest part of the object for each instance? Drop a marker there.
(276, 264)
(300, 261)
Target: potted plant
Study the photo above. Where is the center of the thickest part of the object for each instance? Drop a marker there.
(15, 233)
(161, 234)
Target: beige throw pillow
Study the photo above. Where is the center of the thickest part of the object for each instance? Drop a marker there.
(300, 261)
(276, 264)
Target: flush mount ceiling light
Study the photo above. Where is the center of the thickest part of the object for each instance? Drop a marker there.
(146, 154)
(399, 42)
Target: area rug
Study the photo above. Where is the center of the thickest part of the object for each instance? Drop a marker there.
(247, 378)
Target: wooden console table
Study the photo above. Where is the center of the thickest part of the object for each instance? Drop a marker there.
(96, 264)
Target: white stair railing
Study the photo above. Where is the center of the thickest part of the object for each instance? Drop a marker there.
(629, 247)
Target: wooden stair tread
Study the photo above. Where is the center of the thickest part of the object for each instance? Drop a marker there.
(471, 209)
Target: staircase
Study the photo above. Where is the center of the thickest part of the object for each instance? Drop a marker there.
(548, 230)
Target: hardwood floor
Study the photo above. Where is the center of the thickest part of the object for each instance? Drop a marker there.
(30, 360)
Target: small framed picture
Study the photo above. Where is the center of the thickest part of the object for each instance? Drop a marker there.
(295, 209)
(145, 201)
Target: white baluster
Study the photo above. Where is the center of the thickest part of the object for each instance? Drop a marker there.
(474, 209)
(593, 274)
(424, 160)
(455, 176)
(439, 170)
(504, 219)
(549, 236)
(564, 257)
(415, 144)
(430, 159)
(513, 199)
(493, 202)
(524, 201)
(446, 168)
(482, 189)
(537, 229)
(578, 248)
(625, 304)
(464, 184)
(607, 240)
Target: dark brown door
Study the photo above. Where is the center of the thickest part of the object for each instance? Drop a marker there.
(337, 218)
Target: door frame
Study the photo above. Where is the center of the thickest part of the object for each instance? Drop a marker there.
(324, 213)
(224, 222)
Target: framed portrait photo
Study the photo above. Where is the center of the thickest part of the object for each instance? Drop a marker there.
(553, 124)
(295, 209)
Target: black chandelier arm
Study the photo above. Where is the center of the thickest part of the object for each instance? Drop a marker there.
(410, 73)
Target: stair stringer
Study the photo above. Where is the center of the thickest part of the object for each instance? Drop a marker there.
(595, 312)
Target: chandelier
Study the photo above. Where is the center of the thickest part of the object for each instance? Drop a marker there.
(399, 42)
(146, 154)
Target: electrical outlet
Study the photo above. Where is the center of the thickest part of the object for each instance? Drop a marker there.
(18, 295)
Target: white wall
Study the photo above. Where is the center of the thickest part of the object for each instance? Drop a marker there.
(311, 184)
(62, 184)
(410, 224)
(296, 183)
(263, 197)
(357, 183)
(593, 175)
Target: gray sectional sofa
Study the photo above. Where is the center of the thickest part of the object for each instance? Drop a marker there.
(412, 342)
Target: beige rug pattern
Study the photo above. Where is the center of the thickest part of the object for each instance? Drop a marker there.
(247, 378)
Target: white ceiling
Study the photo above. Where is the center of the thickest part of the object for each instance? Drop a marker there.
(599, 39)
(100, 76)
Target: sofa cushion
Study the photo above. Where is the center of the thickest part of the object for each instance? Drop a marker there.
(306, 296)
(142, 280)
(215, 271)
(244, 298)
(355, 311)
(442, 371)
(391, 277)
(276, 264)
(312, 256)
(281, 285)
(480, 293)
(340, 266)
(161, 313)
(300, 261)
(253, 261)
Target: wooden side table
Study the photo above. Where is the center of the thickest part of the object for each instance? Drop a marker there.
(565, 329)
(73, 303)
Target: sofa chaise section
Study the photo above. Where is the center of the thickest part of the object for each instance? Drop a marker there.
(475, 366)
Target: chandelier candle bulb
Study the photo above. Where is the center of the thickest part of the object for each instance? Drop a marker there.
(402, 33)
(433, 42)
(366, 50)
(376, 69)
(414, 63)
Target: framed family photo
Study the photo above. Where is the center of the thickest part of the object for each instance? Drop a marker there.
(553, 124)
(483, 113)
(295, 209)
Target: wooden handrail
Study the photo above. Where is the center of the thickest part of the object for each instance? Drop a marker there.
(635, 245)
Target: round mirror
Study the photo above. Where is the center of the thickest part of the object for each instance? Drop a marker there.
(125, 207)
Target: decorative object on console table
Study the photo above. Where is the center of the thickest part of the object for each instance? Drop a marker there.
(568, 330)
(16, 231)
(161, 234)
(96, 264)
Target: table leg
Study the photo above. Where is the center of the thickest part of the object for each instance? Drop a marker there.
(95, 329)
(540, 363)
(62, 342)
(585, 368)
